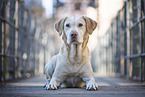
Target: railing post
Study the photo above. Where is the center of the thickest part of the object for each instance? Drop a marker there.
(28, 42)
(128, 39)
(118, 42)
(141, 43)
(2, 40)
(12, 40)
(20, 38)
(135, 39)
(112, 46)
(143, 32)
(1, 66)
(34, 47)
(44, 56)
(106, 50)
(143, 29)
(125, 36)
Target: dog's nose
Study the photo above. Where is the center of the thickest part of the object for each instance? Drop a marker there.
(74, 35)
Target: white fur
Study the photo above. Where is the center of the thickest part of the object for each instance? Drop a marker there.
(71, 67)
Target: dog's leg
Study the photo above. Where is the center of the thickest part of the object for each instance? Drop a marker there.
(90, 83)
(88, 77)
(49, 69)
(57, 77)
(53, 84)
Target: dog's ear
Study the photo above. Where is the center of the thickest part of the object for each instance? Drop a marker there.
(59, 26)
(90, 24)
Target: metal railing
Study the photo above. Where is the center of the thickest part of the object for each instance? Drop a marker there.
(121, 50)
(22, 48)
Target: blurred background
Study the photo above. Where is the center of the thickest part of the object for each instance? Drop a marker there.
(28, 39)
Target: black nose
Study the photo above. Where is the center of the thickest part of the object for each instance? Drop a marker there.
(74, 35)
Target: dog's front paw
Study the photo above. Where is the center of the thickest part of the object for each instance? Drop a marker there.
(92, 86)
(50, 86)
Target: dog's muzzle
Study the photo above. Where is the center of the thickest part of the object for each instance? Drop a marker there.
(74, 38)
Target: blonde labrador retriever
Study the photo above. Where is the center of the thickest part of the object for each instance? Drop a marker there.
(71, 67)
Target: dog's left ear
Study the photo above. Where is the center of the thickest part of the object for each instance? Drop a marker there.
(59, 26)
(90, 24)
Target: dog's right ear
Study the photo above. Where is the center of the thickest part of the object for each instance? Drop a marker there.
(59, 26)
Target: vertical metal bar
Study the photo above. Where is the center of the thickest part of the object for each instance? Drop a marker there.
(20, 37)
(143, 29)
(111, 37)
(101, 58)
(109, 51)
(106, 54)
(4, 40)
(116, 55)
(103, 52)
(1, 66)
(28, 68)
(37, 57)
(128, 38)
(115, 44)
(118, 43)
(125, 39)
(12, 40)
(34, 48)
(135, 40)
(112, 44)
(16, 47)
(34, 56)
(141, 42)
(44, 56)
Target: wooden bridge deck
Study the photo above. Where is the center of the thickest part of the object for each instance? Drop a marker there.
(108, 87)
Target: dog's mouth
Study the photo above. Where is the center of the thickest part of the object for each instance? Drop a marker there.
(75, 42)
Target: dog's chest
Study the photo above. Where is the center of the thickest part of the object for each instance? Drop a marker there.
(75, 53)
(74, 68)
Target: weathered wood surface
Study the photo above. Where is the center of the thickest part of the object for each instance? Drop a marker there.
(108, 87)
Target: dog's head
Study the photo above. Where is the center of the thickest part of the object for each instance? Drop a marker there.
(74, 29)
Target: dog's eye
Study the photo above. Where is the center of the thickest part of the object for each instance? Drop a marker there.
(80, 25)
(67, 25)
